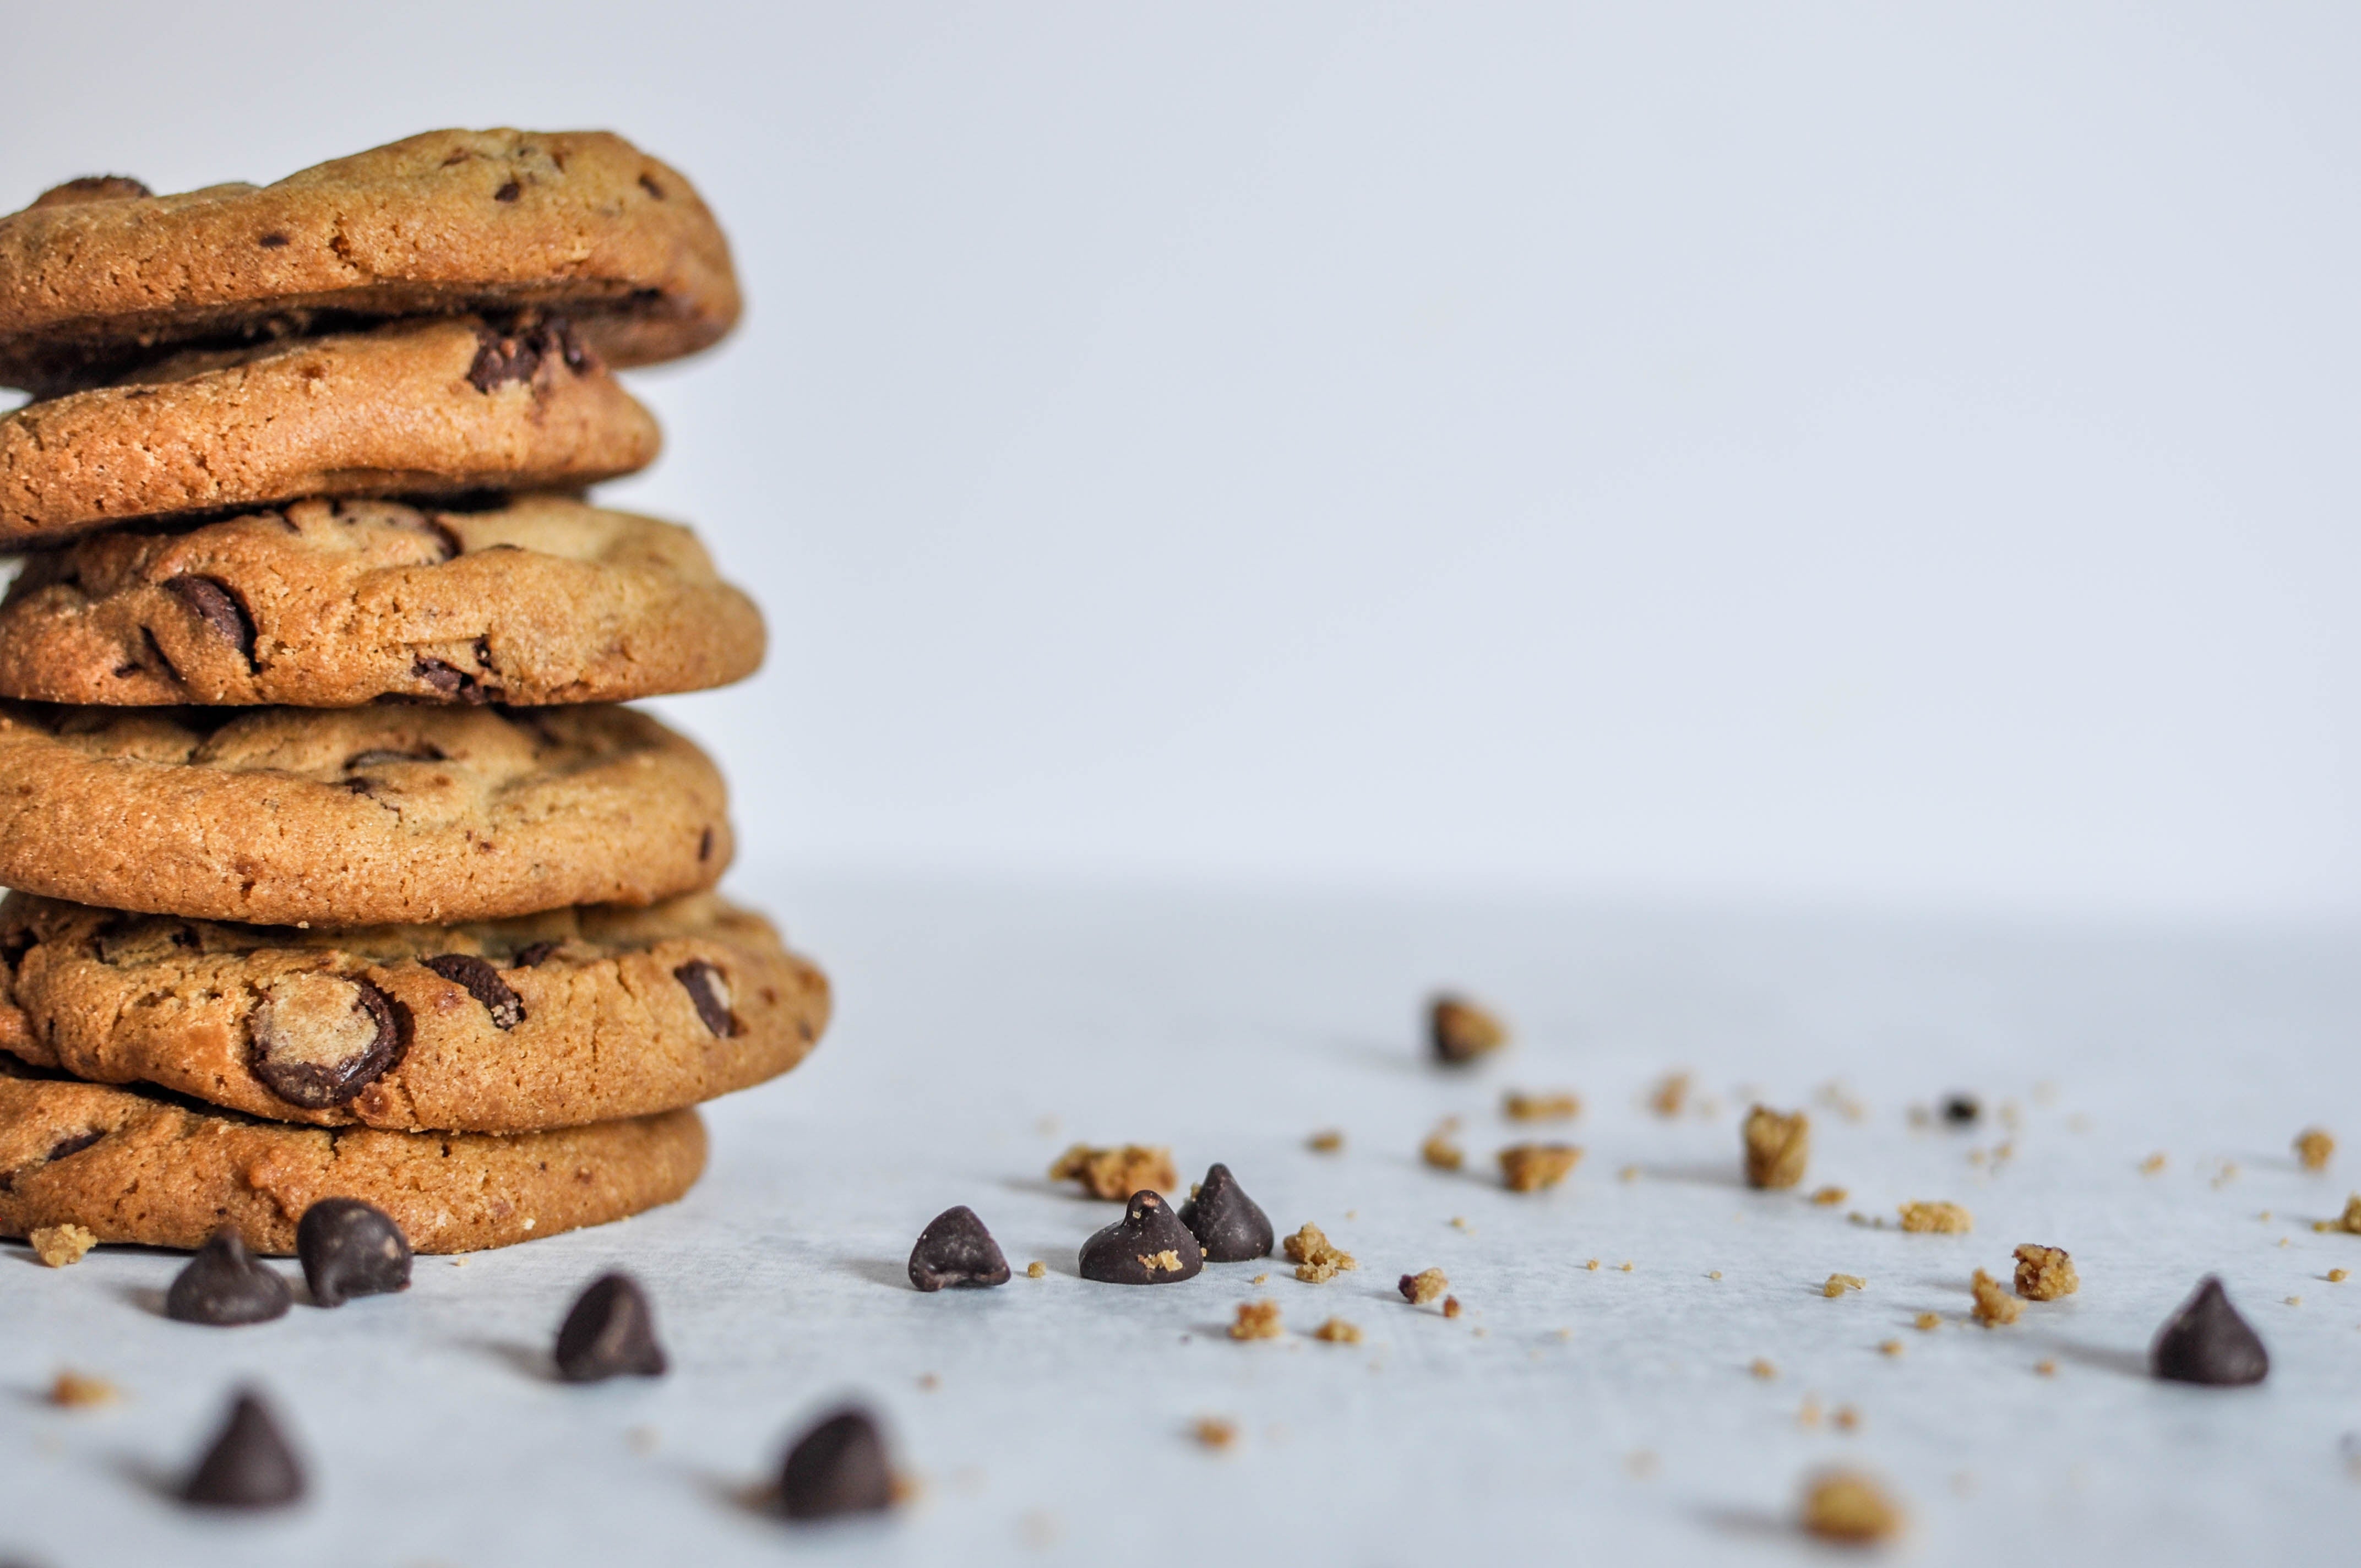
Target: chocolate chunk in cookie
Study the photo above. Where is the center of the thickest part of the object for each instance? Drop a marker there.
(955, 1249)
(224, 1285)
(482, 982)
(351, 1248)
(320, 1039)
(1149, 1246)
(837, 1467)
(211, 602)
(248, 1465)
(710, 991)
(1229, 1226)
(610, 1332)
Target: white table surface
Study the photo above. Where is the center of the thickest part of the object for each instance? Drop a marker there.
(1568, 1415)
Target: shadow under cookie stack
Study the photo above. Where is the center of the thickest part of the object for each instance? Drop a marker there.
(338, 868)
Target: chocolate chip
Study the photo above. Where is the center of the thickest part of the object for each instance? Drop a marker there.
(319, 1039)
(272, 241)
(444, 535)
(1149, 1246)
(1460, 1031)
(1962, 1110)
(483, 982)
(837, 1467)
(611, 1332)
(1227, 1223)
(2207, 1342)
(217, 608)
(536, 955)
(92, 187)
(710, 991)
(74, 1144)
(449, 680)
(382, 755)
(504, 357)
(648, 183)
(224, 1285)
(705, 845)
(955, 1249)
(508, 192)
(249, 1464)
(351, 1248)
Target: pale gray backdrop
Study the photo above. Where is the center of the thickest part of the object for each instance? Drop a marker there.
(1843, 452)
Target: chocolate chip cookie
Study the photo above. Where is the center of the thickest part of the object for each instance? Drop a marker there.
(132, 1165)
(435, 408)
(100, 273)
(330, 604)
(513, 1026)
(353, 816)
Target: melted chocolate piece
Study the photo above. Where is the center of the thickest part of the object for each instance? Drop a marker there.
(218, 608)
(350, 1248)
(2206, 1342)
(482, 982)
(1149, 1246)
(610, 1332)
(837, 1467)
(314, 1061)
(955, 1249)
(1228, 1224)
(249, 1464)
(710, 992)
(225, 1286)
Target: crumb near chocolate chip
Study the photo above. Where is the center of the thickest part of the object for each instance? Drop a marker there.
(1927, 1321)
(1316, 1259)
(1829, 1197)
(59, 1245)
(1848, 1507)
(1530, 1167)
(2338, 1276)
(2045, 1273)
(1993, 1305)
(1459, 1031)
(2349, 1220)
(1036, 1270)
(1451, 1306)
(1327, 1141)
(1336, 1331)
(1889, 1347)
(1257, 1320)
(73, 1391)
(2046, 1367)
(1115, 1173)
(1554, 1105)
(1424, 1286)
(1937, 1219)
(1840, 1283)
(1777, 1147)
(1441, 1152)
(1215, 1432)
(2315, 1146)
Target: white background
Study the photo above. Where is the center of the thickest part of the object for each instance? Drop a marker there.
(1813, 452)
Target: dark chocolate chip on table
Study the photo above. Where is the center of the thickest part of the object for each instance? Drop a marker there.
(610, 1332)
(2207, 1342)
(249, 1464)
(837, 1467)
(224, 1285)
(1229, 1226)
(350, 1248)
(1962, 1110)
(1149, 1246)
(479, 979)
(955, 1249)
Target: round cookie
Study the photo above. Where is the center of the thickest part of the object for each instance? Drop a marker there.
(331, 604)
(134, 1166)
(509, 1027)
(391, 814)
(99, 273)
(435, 408)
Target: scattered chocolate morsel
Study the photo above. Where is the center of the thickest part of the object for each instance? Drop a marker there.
(482, 982)
(837, 1467)
(1149, 1246)
(249, 1464)
(218, 608)
(955, 1249)
(350, 1248)
(1962, 1110)
(611, 1331)
(224, 1285)
(2207, 1342)
(1229, 1226)
(1460, 1031)
(320, 1038)
(710, 992)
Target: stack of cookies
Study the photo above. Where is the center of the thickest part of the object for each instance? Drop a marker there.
(337, 869)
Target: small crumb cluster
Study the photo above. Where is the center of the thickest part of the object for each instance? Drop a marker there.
(2045, 1273)
(1116, 1173)
(1937, 1219)
(1530, 1167)
(1316, 1259)
(1777, 1147)
(1993, 1306)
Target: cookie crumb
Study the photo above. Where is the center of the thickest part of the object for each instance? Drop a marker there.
(1441, 1152)
(1924, 1322)
(2338, 1276)
(1556, 1106)
(928, 1382)
(1424, 1286)
(2046, 1367)
(1117, 1172)
(1629, 1173)
(1777, 1147)
(1459, 1222)
(1530, 1167)
(76, 1391)
(1328, 1140)
(1215, 1432)
(1829, 1197)
(2315, 1146)
(1889, 1347)
(1451, 1306)
(1714, 1274)
(1460, 1031)
(2349, 1220)
(1625, 1265)
(1259, 1279)
(1315, 1258)
(2295, 1300)
(59, 1245)
(2152, 1164)
(1808, 1413)
(1762, 1368)
(1036, 1270)
(1840, 1283)
(1937, 1219)
(1592, 1266)
(1257, 1320)
(2045, 1273)
(1846, 1418)
(1993, 1305)
(1848, 1507)
(1672, 1092)
(1336, 1331)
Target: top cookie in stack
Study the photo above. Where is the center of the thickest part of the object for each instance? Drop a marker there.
(315, 451)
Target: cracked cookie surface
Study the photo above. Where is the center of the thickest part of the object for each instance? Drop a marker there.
(131, 1165)
(396, 813)
(544, 1021)
(435, 408)
(98, 273)
(543, 600)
